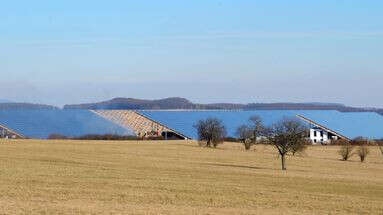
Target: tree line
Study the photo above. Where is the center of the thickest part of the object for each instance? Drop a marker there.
(287, 136)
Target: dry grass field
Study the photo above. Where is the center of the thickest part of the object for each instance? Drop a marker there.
(99, 177)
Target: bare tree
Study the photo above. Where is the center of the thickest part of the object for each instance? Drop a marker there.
(257, 127)
(346, 151)
(212, 131)
(286, 135)
(245, 133)
(248, 134)
(363, 151)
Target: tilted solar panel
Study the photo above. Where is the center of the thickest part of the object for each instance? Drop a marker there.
(71, 123)
(351, 125)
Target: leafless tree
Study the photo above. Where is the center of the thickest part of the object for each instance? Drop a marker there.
(245, 133)
(363, 151)
(250, 132)
(257, 127)
(346, 151)
(286, 135)
(212, 131)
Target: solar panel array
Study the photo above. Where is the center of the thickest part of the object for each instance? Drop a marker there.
(71, 123)
(351, 125)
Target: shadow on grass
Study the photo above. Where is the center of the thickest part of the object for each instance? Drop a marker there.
(250, 167)
(233, 165)
(204, 147)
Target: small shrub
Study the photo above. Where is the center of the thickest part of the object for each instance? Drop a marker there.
(248, 143)
(360, 141)
(339, 142)
(105, 137)
(363, 152)
(346, 151)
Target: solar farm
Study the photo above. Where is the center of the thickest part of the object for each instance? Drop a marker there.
(179, 176)
(39, 124)
(352, 125)
(73, 123)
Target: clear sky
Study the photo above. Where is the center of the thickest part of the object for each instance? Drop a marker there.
(75, 51)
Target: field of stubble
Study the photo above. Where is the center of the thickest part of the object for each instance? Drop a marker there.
(177, 177)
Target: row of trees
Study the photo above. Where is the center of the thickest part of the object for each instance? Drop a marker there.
(287, 136)
(358, 146)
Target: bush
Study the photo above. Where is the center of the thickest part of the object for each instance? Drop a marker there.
(340, 142)
(96, 137)
(346, 151)
(360, 141)
(106, 137)
(363, 152)
(248, 143)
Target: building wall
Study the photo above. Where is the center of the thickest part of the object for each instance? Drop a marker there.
(318, 135)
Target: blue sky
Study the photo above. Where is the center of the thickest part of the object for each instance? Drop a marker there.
(70, 51)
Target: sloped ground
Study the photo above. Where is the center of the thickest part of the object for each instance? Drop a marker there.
(98, 177)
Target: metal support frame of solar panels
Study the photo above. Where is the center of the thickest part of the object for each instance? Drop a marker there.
(323, 127)
(3, 128)
(172, 130)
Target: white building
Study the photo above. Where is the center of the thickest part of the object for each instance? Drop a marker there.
(320, 134)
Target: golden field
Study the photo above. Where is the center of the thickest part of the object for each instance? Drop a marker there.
(178, 177)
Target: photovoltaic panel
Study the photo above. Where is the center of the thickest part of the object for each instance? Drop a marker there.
(71, 123)
(351, 125)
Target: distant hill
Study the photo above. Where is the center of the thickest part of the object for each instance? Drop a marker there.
(160, 104)
(19, 106)
(182, 103)
(130, 103)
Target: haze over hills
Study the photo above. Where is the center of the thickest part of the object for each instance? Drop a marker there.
(19, 106)
(182, 103)
(177, 103)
